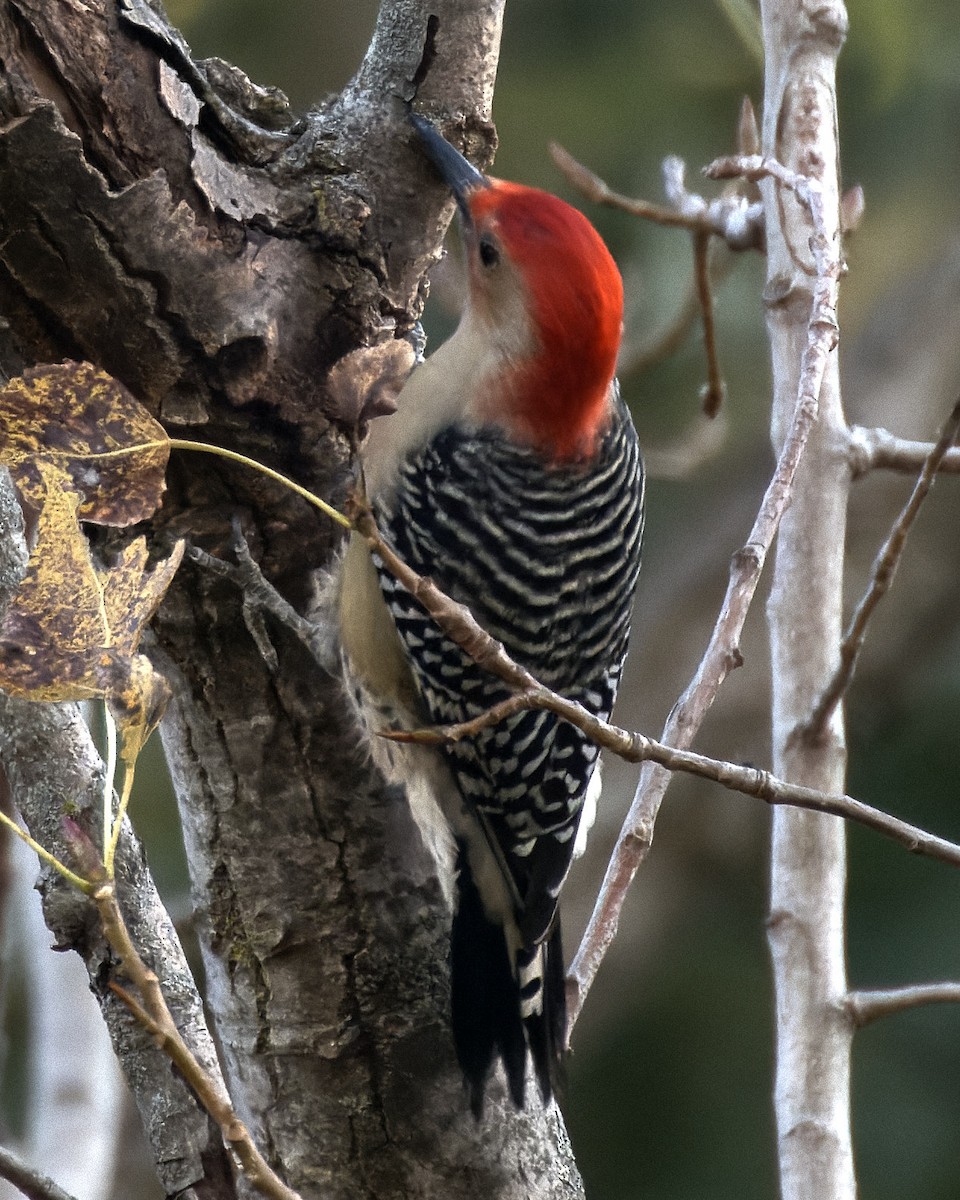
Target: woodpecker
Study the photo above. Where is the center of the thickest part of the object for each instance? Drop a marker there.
(511, 475)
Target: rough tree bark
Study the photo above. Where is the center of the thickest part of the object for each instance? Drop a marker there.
(177, 226)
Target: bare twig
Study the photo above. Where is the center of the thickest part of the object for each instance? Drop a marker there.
(884, 569)
(750, 781)
(25, 1179)
(871, 449)
(734, 218)
(597, 190)
(723, 651)
(155, 1017)
(867, 1006)
(714, 391)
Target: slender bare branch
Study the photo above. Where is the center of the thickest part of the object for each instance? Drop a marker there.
(599, 192)
(884, 569)
(714, 390)
(732, 217)
(156, 1018)
(867, 1006)
(723, 651)
(25, 1179)
(872, 449)
(750, 781)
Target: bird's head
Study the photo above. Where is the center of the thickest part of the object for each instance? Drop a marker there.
(546, 293)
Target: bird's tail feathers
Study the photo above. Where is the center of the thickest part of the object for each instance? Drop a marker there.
(505, 1002)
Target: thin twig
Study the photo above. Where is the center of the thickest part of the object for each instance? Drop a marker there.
(750, 781)
(597, 190)
(723, 651)
(732, 217)
(29, 1182)
(867, 1006)
(884, 569)
(714, 391)
(872, 449)
(157, 1020)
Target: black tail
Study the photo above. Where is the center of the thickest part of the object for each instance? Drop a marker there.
(488, 1003)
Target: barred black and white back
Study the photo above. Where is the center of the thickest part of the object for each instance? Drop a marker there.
(546, 556)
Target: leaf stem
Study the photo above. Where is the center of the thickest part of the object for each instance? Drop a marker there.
(109, 775)
(78, 881)
(110, 850)
(277, 476)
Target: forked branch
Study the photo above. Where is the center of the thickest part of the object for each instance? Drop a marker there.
(637, 748)
(884, 569)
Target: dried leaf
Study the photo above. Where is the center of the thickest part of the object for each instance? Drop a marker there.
(72, 630)
(137, 696)
(56, 617)
(71, 415)
(132, 593)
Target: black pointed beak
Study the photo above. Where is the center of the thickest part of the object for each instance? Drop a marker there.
(461, 176)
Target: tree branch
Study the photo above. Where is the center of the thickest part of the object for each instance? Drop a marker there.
(723, 650)
(868, 1006)
(734, 218)
(158, 1021)
(807, 905)
(637, 748)
(873, 449)
(884, 569)
(53, 768)
(32, 1184)
(714, 390)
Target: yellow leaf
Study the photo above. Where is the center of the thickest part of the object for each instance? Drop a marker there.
(72, 630)
(86, 424)
(138, 696)
(132, 593)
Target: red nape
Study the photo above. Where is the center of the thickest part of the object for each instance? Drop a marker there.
(576, 297)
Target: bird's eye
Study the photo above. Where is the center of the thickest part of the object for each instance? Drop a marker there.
(489, 251)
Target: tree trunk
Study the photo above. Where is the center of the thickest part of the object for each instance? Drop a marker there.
(808, 855)
(178, 227)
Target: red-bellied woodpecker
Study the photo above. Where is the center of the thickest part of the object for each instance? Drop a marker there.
(510, 475)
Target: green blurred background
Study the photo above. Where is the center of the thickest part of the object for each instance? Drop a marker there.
(671, 1077)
